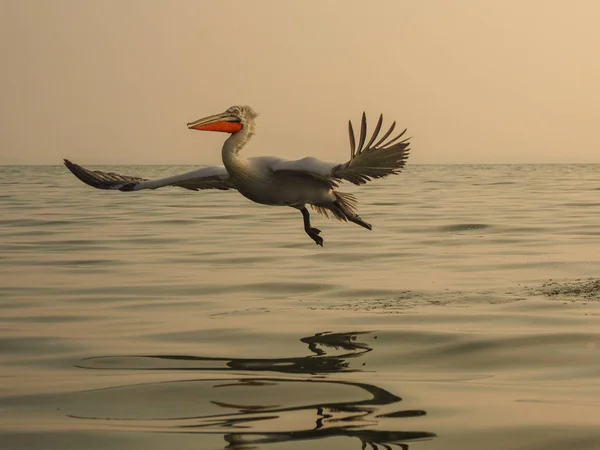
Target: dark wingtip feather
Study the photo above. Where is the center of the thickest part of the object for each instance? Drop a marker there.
(385, 136)
(396, 138)
(81, 174)
(375, 161)
(99, 179)
(363, 132)
(352, 140)
(376, 132)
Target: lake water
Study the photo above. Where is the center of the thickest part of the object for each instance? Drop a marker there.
(468, 318)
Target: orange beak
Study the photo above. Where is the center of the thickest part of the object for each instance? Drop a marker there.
(224, 122)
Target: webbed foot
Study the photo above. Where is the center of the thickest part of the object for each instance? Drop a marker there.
(314, 234)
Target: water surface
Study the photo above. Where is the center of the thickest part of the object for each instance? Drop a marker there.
(468, 318)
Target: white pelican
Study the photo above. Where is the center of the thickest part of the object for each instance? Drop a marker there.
(269, 180)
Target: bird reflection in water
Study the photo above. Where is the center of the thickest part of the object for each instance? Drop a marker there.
(365, 411)
(347, 418)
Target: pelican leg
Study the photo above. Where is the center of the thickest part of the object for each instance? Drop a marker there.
(312, 232)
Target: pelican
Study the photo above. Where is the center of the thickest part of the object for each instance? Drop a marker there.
(270, 180)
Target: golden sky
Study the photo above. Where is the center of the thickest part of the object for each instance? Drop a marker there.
(474, 81)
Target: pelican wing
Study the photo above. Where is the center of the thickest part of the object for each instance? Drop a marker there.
(375, 160)
(215, 177)
(378, 159)
(310, 167)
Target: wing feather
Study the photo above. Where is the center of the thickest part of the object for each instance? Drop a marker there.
(367, 162)
(352, 140)
(376, 132)
(385, 136)
(363, 132)
(387, 157)
(215, 177)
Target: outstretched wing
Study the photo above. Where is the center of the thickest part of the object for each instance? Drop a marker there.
(378, 159)
(215, 177)
(374, 160)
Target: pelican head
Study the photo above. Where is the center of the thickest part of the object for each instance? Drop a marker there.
(230, 121)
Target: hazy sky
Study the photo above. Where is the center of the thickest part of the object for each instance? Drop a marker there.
(116, 81)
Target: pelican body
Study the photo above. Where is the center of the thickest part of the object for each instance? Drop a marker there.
(274, 181)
